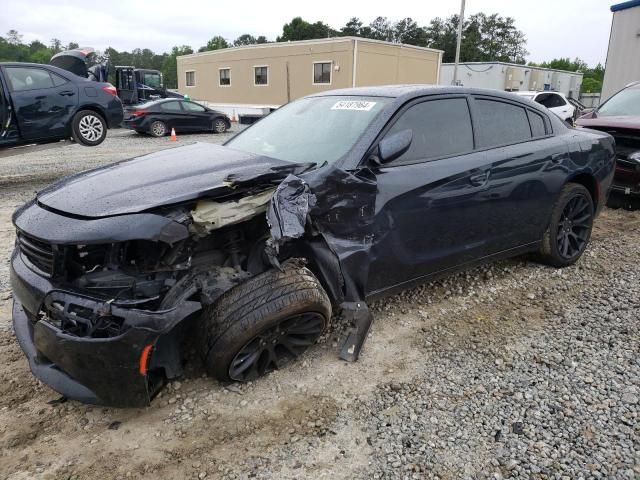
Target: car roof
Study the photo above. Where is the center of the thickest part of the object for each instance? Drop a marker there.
(536, 92)
(407, 92)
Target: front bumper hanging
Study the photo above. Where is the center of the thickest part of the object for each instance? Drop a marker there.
(103, 371)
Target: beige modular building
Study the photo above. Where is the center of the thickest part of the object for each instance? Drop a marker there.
(623, 55)
(273, 74)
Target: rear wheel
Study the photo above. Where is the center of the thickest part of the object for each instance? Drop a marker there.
(263, 324)
(570, 227)
(219, 125)
(158, 129)
(88, 128)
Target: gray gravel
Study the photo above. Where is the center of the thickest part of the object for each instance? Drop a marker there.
(563, 402)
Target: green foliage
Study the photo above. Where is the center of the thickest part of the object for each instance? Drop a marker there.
(484, 38)
(216, 43)
(245, 39)
(170, 65)
(299, 29)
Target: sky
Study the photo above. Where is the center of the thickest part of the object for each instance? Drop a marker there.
(560, 28)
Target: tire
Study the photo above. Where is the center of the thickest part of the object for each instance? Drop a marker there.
(219, 125)
(88, 128)
(569, 228)
(263, 324)
(158, 129)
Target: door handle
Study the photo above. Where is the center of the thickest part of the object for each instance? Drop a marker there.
(479, 179)
(558, 157)
(67, 93)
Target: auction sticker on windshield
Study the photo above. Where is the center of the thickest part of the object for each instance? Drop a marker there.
(353, 105)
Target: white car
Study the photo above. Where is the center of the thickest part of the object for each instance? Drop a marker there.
(554, 101)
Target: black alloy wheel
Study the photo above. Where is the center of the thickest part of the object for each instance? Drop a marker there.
(276, 346)
(574, 227)
(569, 228)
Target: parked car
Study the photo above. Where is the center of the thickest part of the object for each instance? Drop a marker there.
(619, 116)
(158, 117)
(41, 103)
(366, 191)
(554, 101)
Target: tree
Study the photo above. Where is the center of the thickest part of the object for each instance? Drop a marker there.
(441, 34)
(72, 45)
(299, 29)
(245, 39)
(216, 43)
(407, 31)
(55, 45)
(13, 37)
(381, 29)
(484, 38)
(352, 28)
(170, 65)
(262, 39)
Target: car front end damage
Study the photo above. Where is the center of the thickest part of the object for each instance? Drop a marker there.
(101, 305)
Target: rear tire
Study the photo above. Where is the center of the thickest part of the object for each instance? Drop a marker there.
(88, 128)
(263, 324)
(569, 228)
(158, 129)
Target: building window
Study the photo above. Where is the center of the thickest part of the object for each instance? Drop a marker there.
(190, 79)
(225, 77)
(261, 75)
(321, 73)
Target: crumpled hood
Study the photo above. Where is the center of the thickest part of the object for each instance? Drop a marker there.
(162, 178)
(618, 121)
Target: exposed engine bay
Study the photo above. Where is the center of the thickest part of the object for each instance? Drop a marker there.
(151, 275)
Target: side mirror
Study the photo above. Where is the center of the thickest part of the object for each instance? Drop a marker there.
(395, 145)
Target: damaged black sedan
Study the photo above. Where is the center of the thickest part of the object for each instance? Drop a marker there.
(247, 250)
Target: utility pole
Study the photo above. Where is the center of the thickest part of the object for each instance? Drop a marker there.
(459, 41)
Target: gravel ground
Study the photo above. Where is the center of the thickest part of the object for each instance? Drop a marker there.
(511, 370)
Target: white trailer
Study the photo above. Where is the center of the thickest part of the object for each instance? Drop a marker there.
(512, 77)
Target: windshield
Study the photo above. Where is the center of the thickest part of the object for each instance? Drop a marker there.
(311, 130)
(626, 102)
(153, 80)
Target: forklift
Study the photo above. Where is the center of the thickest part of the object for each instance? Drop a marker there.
(134, 85)
(139, 85)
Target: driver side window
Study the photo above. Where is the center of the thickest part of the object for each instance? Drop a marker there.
(440, 128)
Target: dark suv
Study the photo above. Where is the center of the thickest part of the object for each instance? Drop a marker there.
(40, 103)
(620, 117)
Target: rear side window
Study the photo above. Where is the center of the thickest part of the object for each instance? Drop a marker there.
(192, 107)
(171, 107)
(23, 79)
(58, 80)
(537, 124)
(500, 123)
(440, 128)
(550, 100)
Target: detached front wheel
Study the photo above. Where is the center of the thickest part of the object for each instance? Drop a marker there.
(263, 324)
(88, 128)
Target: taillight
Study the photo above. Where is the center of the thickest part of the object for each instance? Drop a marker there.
(111, 89)
(138, 113)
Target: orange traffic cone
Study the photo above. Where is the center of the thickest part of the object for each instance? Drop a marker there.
(173, 135)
